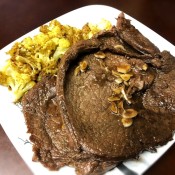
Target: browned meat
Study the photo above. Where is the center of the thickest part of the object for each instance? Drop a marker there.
(161, 97)
(53, 145)
(40, 111)
(84, 104)
(133, 37)
(79, 117)
(167, 62)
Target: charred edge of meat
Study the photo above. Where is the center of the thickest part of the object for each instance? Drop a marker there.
(71, 55)
(133, 37)
(128, 49)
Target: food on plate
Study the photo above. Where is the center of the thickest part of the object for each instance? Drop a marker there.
(53, 145)
(113, 98)
(34, 57)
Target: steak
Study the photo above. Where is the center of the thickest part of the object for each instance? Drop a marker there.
(84, 98)
(52, 144)
(133, 37)
(106, 104)
(40, 111)
(84, 104)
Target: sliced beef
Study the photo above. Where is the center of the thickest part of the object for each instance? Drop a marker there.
(52, 144)
(133, 37)
(85, 108)
(160, 98)
(76, 118)
(39, 108)
(167, 62)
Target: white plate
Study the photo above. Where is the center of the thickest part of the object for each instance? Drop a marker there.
(12, 119)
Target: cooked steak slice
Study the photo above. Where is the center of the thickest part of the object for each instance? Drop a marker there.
(133, 37)
(160, 98)
(102, 109)
(118, 45)
(167, 61)
(40, 110)
(52, 145)
(83, 98)
(94, 167)
(34, 114)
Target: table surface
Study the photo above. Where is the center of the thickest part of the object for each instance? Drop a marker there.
(21, 16)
